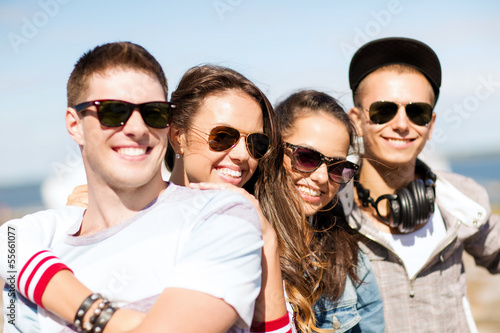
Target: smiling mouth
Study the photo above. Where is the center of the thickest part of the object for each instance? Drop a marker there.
(132, 151)
(399, 142)
(308, 191)
(229, 173)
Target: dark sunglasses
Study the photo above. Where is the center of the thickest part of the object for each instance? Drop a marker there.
(308, 160)
(383, 111)
(114, 113)
(222, 138)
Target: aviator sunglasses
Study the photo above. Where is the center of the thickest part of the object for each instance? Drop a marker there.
(114, 113)
(308, 160)
(383, 111)
(222, 138)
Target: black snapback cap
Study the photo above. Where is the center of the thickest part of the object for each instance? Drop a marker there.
(395, 50)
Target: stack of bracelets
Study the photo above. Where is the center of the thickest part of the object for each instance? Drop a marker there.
(100, 318)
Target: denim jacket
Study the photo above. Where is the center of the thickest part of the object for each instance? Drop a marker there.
(359, 309)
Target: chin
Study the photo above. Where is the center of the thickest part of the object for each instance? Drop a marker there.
(132, 183)
(134, 179)
(392, 159)
(402, 160)
(310, 211)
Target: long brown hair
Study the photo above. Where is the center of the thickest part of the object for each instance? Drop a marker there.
(332, 253)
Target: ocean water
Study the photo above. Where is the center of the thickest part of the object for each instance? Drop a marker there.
(485, 170)
(21, 196)
(17, 201)
(480, 167)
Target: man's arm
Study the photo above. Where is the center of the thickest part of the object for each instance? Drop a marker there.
(65, 293)
(469, 203)
(484, 245)
(42, 277)
(24, 249)
(187, 311)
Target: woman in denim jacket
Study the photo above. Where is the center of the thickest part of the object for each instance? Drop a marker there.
(317, 134)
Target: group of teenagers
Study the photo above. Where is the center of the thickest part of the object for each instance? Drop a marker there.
(264, 224)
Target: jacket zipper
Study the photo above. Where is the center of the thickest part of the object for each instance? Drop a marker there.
(431, 258)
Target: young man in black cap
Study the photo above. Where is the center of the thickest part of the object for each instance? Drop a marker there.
(416, 222)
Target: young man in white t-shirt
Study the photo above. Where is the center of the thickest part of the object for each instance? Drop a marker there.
(416, 222)
(190, 258)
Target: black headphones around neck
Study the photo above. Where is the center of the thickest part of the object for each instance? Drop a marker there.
(410, 206)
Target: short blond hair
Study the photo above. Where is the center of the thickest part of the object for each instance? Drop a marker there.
(395, 68)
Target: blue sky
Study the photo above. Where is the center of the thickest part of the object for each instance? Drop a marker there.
(280, 45)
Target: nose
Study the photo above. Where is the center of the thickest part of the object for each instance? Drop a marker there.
(239, 152)
(320, 175)
(401, 122)
(135, 125)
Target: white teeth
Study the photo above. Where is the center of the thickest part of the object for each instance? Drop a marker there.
(398, 142)
(131, 151)
(229, 172)
(308, 191)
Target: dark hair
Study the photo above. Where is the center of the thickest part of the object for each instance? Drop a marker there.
(107, 56)
(333, 242)
(305, 102)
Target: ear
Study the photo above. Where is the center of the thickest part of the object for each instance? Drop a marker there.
(74, 126)
(357, 119)
(431, 126)
(176, 137)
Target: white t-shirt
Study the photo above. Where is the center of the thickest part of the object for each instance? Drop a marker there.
(208, 241)
(415, 248)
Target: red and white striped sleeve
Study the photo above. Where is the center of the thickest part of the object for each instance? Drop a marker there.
(280, 325)
(36, 274)
(25, 245)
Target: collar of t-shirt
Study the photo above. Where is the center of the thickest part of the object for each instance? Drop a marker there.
(415, 248)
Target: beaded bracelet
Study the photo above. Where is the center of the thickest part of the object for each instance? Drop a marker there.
(82, 310)
(103, 318)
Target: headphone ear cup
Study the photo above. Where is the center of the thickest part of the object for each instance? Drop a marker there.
(395, 212)
(408, 210)
(418, 192)
(429, 186)
(430, 197)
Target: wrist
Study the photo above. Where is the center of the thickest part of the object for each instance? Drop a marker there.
(281, 324)
(93, 314)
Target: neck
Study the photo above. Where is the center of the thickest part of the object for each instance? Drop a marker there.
(381, 179)
(178, 175)
(109, 206)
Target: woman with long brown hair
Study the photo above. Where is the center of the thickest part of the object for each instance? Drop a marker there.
(317, 134)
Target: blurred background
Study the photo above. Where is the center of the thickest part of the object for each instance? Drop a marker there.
(281, 45)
